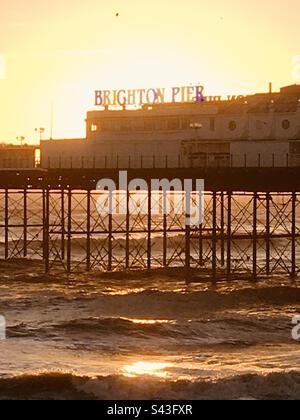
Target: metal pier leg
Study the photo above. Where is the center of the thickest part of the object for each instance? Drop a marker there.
(127, 229)
(187, 235)
(46, 218)
(164, 228)
(201, 245)
(149, 229)
(88, 231)
(294, 269)
(25, 223)
(63, 224)
(214, 238)
(110, 233)
(6, 221)
(69, 232)
(268, 253)
(222, 231)
(254, 268)
(229, 195)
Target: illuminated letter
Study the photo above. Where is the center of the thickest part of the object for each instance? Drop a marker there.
(115, 97)
(175, 92)
(183, 93)
(131, 97)
(160, 96)
(120, 92)
(106, 97)
(199, 94)
(141, 92)
(98, 98)
(190, 91)
(151, 92)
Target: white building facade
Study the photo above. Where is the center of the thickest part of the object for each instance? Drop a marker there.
(257, 130)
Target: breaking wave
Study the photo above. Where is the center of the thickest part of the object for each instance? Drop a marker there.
(68, 386)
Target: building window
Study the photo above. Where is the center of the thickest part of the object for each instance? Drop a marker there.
(286, 124)
(232, 125)
(94, 128)
(212, 124)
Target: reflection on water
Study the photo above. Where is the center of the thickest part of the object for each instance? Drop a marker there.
(150, 321)
(146, 368)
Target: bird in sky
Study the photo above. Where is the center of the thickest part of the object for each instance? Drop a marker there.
(117, 14)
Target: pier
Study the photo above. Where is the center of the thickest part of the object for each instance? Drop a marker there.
(250, 223)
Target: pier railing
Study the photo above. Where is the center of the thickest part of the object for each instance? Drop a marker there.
(201, 160)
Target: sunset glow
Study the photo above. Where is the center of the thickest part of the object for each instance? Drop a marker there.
(146, 368)
(57, 53)
(2, 67)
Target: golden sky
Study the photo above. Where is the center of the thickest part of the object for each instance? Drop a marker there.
(55, 54)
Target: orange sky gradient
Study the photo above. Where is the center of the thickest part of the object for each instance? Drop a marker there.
(56, 54)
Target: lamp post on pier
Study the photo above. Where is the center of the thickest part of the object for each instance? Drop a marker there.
(21, 139)
(41, 131)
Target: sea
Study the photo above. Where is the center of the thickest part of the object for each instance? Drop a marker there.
(146, 336)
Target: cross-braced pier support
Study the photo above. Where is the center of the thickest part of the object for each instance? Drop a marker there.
(254, 234)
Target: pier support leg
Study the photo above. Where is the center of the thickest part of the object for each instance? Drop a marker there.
(293, 221)
(63, 227)
(229, 205)
(164, 204)
(46, 218)
(6, 222)
(201, 262)
(254, 250)
(25, 223)
(127, 242)
(110, 233)
(149, 229)
(188, 236)
(214, 238)
(268, 199)
(222, 231)
(88, 231)
(69, 232)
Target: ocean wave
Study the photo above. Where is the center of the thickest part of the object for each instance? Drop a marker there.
(167, 334)
(67, 386)
(125, 300)
(194, 303)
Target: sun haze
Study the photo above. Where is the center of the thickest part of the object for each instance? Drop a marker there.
(55, 54)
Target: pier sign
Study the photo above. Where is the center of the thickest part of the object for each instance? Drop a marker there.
(138, 97)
